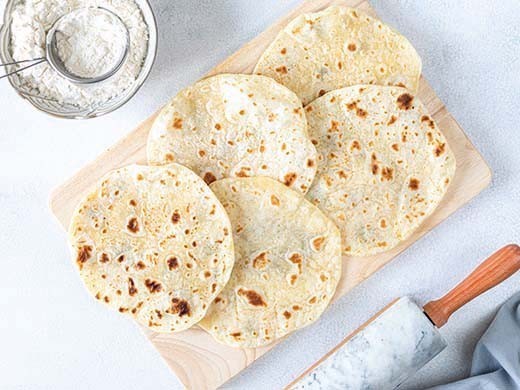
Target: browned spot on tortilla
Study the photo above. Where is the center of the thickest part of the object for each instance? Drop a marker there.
(218, 126)
(242, 173)
(382, 223)
(123, 309)
(84, 254)
(382, 244)
(281, 69)
(355, 145)
(429, 121)
(275, 201)
(179, 307)
(253, 298)
(290, 178)
(361, 113)
(202, 153)
(352, 46)
(318, 242)
(395, 147)
(403, 137)
(106, 299)
(118, 292)
(121, 258)
(310, 163)
(173, 263)
(236, 334)
(334, 126)
(242, 112)
(312, 300)
(260, 261)
(213, 287)
(414, 184)
(308, 108)
(140, 265)
(133, 225)
(351, 105)
(104, 258)
(176, 217)
(314, 142)
(392, 120)
(286, 314)
(323, 278)
(375, 168)
(131, 287)
(387, 173)
(340, 65)
(140, 177)
(296, 258)
(401, 85)
(177, 123)
(218, 299)
(342, 174)
(169, 157)
(439, 149)
(322, 92)
(296, 307)
(283, 51)
(404, 101)
(209, 177)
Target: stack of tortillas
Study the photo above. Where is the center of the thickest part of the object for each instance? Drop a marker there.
(258, 184)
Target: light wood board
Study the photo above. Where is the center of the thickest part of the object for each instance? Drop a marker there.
(197, 360)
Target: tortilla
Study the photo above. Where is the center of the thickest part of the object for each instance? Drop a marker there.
(288, 263)
(236, 126)
(339, 47)
(383, 165)
(153, 243)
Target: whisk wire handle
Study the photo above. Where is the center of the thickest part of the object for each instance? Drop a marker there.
(35, 61)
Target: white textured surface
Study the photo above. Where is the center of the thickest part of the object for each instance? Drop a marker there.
(54, 336)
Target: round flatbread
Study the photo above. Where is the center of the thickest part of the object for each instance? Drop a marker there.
(235, 125)
(383, 165)
(288, 263)
(339, 47)
(154, 243)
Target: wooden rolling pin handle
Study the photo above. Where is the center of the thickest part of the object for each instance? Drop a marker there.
(495, 269)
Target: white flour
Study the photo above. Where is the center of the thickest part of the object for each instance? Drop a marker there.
(30, 21)
(90, 42)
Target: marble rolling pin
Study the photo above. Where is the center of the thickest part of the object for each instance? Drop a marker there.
(402, 338)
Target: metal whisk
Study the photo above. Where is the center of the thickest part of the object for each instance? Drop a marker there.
(53, 59)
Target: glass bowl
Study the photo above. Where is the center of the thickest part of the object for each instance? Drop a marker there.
(70, 111)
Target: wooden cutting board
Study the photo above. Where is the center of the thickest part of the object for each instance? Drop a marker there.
(197, 360)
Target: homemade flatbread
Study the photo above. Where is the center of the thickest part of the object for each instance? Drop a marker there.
(154, 243)
(383, 164)
(236, 126)
(288, 263)
(339, 47)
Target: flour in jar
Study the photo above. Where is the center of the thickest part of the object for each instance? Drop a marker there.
(32, 19)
